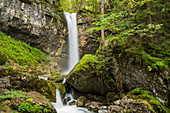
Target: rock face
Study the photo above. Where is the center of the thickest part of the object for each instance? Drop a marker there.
(117, 76)
(88, 43)
(11, 79)
(35, 22)
(41, 24)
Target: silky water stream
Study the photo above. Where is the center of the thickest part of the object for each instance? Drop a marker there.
(73, 58)
(67, 108)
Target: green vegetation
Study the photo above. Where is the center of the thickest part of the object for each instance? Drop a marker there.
(77, 5)
(24, 102)
(29, 108)
(13, 94)
(56, 73)
(138, 29)
(20, 52)
(152, 102)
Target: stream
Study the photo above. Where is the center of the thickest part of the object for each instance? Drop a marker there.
(61, 108)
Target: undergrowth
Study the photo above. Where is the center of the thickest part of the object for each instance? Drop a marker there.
(30, 108)
(20, 52)
(13, 93)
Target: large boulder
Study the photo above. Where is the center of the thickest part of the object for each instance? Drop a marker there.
(12, 79)
(87, 79)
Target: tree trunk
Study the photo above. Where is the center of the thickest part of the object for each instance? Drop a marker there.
(102, 31)
(80, 4)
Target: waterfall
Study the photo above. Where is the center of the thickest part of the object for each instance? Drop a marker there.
(67, 108)
(73, 40)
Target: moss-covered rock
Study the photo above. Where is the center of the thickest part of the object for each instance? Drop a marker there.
(56, 77)
(21, 101)
(61, 88)
(140, 101)
(13, 79)
(81, 101)
(86, 77)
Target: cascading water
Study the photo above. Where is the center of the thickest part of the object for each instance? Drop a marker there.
(73, 40)
(67, 108)
(73, 60)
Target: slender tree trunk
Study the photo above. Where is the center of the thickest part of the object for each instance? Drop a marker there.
(102, 31)
(80, 4)
(96, 6)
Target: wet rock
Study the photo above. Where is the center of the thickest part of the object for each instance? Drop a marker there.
(95, 106)
(19, 98)
(115, 109)
(87, 79)
(111, 96)
(12, 79)
(56, 77)
(72, 102)
(61, 88)
(81, 101)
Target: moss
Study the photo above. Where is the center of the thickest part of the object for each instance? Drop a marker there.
(56, 73)
(85, 62)
(32, 108)
(48, 88)
(61, 88)
(152, 102)
(20, 52)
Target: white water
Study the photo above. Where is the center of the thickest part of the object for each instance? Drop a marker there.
(73, 40)
(67, 108)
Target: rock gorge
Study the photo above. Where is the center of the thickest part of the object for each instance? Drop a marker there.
(42, 24)
(108, 79)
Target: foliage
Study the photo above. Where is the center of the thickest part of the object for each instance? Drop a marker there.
(28, 107)
(20, 52)
(12, 94)
(152, 102)
(140, 29)
(77, 5)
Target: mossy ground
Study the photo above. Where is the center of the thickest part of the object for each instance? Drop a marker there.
(21, 56)
(30, 102)
(20, 52)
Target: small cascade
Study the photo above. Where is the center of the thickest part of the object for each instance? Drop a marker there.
(70, 106)
(73, 40)
(59, 102)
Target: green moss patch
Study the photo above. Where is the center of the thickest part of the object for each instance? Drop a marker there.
(20, 52)
(25, 102)
(152, 102)
(85, 62)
